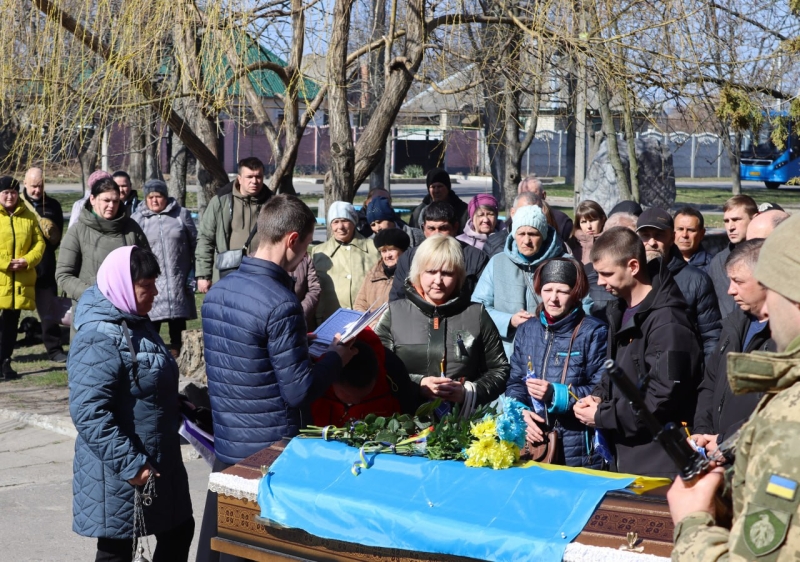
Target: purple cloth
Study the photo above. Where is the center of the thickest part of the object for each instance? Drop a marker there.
(114, 280)
(481, 200)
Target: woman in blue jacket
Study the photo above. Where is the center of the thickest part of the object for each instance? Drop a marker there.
(123, 390)
(557, 357)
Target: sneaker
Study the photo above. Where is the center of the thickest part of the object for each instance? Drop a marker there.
(59, 357)
(8, 373)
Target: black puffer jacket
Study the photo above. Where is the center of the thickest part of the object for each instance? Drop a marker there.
(660, 347)
(719, 411)
(48, 208)
(698, 291)
(719, 277)
(475, 261)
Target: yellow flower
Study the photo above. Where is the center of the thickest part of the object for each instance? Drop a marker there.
(478, 453)
(503, 454)
(484, 429)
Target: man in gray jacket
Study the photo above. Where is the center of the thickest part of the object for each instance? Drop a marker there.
(229, 219)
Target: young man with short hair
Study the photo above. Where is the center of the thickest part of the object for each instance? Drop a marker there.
(439, 219)
(128, 197)
(655, 344)
(259, 370)
(738, 211)
(440, 190)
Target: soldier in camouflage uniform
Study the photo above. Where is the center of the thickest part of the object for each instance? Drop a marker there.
(766, 478)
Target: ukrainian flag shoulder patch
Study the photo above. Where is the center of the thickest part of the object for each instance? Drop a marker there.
(781, 487)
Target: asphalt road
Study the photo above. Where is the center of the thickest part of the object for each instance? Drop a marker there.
(36, 496)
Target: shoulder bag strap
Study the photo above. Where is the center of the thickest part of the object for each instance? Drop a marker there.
(569, 351)
(134, 360)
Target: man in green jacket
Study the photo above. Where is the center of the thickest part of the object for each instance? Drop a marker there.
(228, 220)
(766, 474)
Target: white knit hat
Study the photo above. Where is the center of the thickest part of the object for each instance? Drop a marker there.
(342, 210)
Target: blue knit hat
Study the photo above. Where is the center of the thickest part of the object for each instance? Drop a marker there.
(379, 209)
(530, 215)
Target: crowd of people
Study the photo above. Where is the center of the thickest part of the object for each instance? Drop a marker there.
(530, 306)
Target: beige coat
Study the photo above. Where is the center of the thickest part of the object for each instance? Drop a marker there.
(342, 269)
(375, 290)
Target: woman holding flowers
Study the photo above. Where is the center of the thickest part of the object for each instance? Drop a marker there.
(556, 360)
(450, 346)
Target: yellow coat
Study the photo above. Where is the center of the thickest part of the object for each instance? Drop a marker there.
(20, 237)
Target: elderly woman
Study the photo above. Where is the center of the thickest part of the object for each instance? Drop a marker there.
(381, 216)
(101, 228)
(556, 357)
(21, 249)
(588, 225)
(450, 346)
(506, 285)
(391, 244)
(342, 262)
(172, 235)
(482, 220)
(123, 392)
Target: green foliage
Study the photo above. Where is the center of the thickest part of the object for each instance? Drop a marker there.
(413, 171)
(780, 132)
(738, 110)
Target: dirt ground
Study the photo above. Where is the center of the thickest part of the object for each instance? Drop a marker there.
(42, 388)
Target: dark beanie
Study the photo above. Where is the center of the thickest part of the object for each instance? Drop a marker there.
(379, 209)
(559, 271)
(7, 182)
(437, 175)
(630, 207)
(392, 237)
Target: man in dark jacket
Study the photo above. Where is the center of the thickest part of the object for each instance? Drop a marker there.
(439, 219)
(128, 197)
(46, 286)
(256, 348)
(655, 344)
(737, 212)
(440, 189)
(690, 229)
(656, 229)
(720, 413)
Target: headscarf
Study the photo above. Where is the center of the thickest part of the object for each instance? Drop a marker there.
(115, 282)
(481, 200)
(342, 210)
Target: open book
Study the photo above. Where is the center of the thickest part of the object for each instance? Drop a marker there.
(349, 323)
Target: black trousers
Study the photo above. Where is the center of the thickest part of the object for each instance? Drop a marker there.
(176, 327)
(208, 529)
(9, 322)
(171, 546)
(51, 329)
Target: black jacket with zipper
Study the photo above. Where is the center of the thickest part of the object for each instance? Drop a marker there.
(659, 350)
(719, 411)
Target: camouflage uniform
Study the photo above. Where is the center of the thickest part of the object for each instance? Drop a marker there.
(766, 480)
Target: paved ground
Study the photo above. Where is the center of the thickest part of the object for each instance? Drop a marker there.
(36, 495)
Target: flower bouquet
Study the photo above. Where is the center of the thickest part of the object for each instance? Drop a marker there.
(485, 438)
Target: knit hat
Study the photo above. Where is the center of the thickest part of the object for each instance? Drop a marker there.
(437, 175)
(392, 237)
(96, 176)
(778, 266)
(481, 200)
(155, 186)
(559, 271)
(530, 215)
(7, 182)
(655, 218)
(631, 207)
(342, 210)
(379, 209)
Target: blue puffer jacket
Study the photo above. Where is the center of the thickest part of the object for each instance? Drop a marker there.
(122, 424)
(547, 346)
(257, 362)
(506, 285)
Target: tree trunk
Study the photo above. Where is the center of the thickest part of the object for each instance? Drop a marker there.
(153, 149)
(339, 180)
(610, 132)
(88, 155)
(734, 154)
(136, 155)
(630, 137)
(377, 79)
(178, 165)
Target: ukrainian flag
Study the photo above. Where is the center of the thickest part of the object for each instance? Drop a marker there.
(782, 487)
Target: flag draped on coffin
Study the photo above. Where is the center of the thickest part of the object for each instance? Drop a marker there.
(416, 504)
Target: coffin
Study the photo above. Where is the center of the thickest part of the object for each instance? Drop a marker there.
(623, 527)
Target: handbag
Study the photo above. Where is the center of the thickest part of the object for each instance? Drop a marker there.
(229, 261)
(545, 452)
